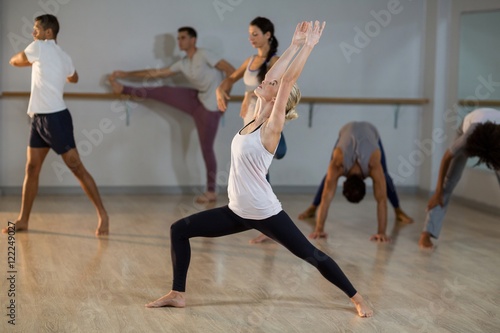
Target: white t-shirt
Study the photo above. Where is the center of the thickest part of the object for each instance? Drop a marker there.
(478, 116)
(250, 194)
(51, 66)
(202, 75)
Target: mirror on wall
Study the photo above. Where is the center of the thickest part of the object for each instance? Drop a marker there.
(479, 61)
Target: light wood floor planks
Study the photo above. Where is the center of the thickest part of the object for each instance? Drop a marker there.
(69, 281)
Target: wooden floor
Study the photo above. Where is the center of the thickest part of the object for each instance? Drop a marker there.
(66, 280)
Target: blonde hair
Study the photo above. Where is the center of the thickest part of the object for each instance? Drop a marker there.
(293, 100)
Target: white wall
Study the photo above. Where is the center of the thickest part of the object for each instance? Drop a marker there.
(160, 147)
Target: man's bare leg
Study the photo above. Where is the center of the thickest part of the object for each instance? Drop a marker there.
(173, 298)
(425, 240)
(363, 309)
(207, 197)
(35, 158)
(308, 213)
(401, 216)
(72, 160)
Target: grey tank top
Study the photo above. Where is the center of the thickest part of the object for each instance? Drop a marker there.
(358, 140)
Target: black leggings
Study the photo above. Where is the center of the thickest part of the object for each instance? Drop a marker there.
(222, 221)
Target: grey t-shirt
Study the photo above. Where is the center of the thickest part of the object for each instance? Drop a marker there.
(202, 75)
(358, 140)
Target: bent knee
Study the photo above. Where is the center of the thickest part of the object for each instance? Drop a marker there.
(179, 228)
(33, 169)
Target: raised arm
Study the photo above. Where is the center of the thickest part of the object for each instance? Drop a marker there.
(298, 40)
(292, 72)
(20, 60)
(335, 171)
(380, 193)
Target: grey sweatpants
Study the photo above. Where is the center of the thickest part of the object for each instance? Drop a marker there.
(434, 219)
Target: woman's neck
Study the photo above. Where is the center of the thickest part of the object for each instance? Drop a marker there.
(263, 112)
(263, 51)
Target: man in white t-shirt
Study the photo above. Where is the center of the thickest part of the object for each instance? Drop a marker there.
(51, 125)
(203, 70)
(478, 137)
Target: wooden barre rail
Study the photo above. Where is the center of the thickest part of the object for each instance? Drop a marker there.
(476, 103)
(237, 98)
(320, 100)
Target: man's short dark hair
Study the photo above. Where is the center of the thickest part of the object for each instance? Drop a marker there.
(354, 189)
(190, 31)
(484, 143)
(48, 21)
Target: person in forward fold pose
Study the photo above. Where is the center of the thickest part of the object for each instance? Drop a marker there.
(479, 136)
(253, 71)
(51, 125)
(203, 69)
(358, 154)
(252, 203)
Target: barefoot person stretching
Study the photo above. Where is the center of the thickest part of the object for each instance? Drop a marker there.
(479, 136)
(358, 154)
(203, 69)
(252, 203)
(51, 125)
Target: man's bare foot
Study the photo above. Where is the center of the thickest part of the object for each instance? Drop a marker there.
(260, 239)
(402, 217)
(115, 86)
(19, 226)
(207, 197)
(102, 226)
(363, 309)
(308, 213)
(173, 298)
(425, 240)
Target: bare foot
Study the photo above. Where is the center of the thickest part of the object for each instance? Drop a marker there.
(207, 197)
(115, 86)
(102, 226)
(425, 240)
(363, 309)
(402, 217)
(173, 298)
(259, 239)
(18, 225)
(310, 212)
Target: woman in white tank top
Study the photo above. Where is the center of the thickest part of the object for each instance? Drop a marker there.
(253, 70)
(252, 203)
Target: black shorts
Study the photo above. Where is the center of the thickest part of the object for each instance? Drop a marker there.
(53, 130)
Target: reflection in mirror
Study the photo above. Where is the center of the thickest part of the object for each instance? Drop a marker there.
(479, 61)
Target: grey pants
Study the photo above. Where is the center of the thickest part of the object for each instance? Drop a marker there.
(434, 219)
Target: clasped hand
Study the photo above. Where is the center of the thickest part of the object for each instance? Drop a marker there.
(308, 33)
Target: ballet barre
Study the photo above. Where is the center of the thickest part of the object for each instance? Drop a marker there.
(311, 101)
(475, 103)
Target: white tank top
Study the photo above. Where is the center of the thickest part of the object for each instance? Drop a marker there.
(251, 80)
(250, 194)
(251, 77)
